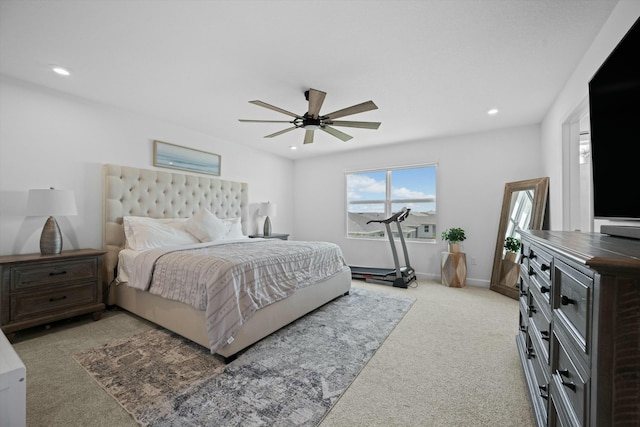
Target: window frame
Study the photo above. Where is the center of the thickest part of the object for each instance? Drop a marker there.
(388, 201)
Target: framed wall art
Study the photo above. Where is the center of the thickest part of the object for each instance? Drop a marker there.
(173, 156)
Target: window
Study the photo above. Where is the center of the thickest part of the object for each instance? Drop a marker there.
(378, 194)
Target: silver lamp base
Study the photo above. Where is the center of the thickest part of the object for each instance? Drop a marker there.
(51, 238)
(267, 227)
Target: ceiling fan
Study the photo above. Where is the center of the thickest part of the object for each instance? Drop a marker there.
(312, 120)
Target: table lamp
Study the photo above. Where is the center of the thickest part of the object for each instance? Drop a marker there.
(49, 203)
(267, 209)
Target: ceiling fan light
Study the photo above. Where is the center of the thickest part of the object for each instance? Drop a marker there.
(311, 127)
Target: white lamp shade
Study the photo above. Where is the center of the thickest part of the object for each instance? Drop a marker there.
(51, 202)
(267, 209)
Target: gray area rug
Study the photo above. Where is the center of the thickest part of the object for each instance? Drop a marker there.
(291, 378)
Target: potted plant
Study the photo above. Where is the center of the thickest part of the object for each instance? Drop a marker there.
(512, 246)
(454, 236)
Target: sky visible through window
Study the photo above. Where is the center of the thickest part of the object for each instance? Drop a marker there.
(406, 184)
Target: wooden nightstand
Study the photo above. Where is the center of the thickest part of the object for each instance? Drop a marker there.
(271, 236)
(38, 289)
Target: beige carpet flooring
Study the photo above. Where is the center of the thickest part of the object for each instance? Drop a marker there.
(451, 361)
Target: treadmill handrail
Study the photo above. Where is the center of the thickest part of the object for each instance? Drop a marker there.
(399, 217)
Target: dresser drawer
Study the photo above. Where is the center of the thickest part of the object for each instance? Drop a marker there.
(25, 305)
(572, 301)
(51, 273)
(540, 260)
(540, 326)
(540, 370)
(570, 386)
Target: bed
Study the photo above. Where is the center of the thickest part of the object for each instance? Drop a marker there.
(166, 197)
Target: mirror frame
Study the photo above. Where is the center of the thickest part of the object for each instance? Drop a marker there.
(540, 186)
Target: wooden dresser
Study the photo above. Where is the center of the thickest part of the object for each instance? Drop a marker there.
(37, 289)
(579, 338)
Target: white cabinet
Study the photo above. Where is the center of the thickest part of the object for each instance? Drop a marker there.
(13, 386)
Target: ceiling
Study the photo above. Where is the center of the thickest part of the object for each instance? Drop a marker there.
(433, 67)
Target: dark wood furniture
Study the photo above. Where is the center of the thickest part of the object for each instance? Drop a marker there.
(579, 337)
(271, 236)
(38, 289)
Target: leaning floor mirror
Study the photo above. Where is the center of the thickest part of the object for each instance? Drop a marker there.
(523, 208)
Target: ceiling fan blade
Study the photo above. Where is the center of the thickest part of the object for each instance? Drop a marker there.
(308, 137)
(271, 107)
(316, 98)
(335, 132)
(363, 125)
(264, 121)
(280, 132)
(354, 109)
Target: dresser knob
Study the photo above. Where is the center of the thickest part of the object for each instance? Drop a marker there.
(532, 309)
(545, 335)
(531, 353)
(544, 289)
(544, 267)
(565, 300)
(531, 271)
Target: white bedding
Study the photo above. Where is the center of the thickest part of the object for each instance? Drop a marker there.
(230, 279)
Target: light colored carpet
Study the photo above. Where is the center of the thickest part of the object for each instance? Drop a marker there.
(451, 361)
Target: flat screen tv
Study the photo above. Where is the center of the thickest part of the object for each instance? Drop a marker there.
(614, 108)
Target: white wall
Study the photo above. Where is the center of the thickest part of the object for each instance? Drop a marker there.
(574, 93)
(49, 139)
(472, 172)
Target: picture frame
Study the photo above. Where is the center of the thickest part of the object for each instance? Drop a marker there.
(172, 156)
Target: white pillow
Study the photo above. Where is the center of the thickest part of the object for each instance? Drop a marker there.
(234, 229)
(206, 226)
(147, 233)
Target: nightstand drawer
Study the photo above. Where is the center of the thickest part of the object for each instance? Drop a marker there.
(50, 273)
(25, 305)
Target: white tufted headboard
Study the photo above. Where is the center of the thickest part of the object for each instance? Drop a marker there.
(157, 194)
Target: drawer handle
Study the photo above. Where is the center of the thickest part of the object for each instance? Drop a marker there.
(532, 255)
(58, 298)
(531, 353)
(523, 328)
(565, 300)
(543, 390)
(544, 267)
(532, 309)
(544, 289)
(565, 373)
(57, 273)
(531, 271)
(523, 293)
(545, 335)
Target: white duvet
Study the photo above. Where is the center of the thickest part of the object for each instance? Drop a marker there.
(231, 280)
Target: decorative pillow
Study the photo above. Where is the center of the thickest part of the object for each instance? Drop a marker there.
(206, 226)
(146, 233)
(234, 229)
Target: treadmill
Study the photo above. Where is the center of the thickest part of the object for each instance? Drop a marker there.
(400, 277)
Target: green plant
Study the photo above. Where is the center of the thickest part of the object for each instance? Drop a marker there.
(454, 235)
(511, 244)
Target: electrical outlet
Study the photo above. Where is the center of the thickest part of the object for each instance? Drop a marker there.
(474, 261)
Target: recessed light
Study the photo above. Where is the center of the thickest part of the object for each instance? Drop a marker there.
(293, 147)
(61, 71)
(492, 111)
